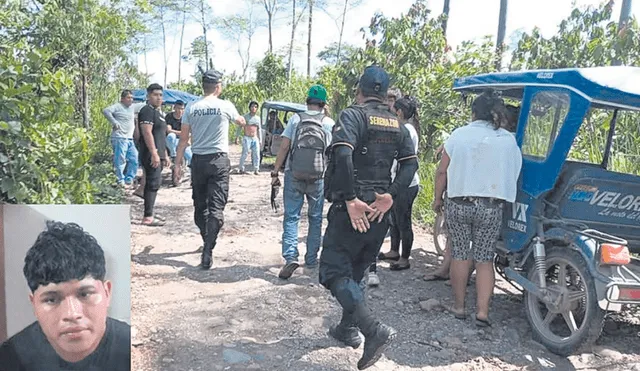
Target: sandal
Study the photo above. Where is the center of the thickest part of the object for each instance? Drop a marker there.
(457, 315)
(399, 267)
(434, 277)
(482, 322)
(155, 223)
(383, 256)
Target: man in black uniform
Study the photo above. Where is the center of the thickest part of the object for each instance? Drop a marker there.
(366, 140)
(65, 270)
(153, 151)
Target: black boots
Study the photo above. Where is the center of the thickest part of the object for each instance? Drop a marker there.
(377, 336)
(346, 331)
(206, 258)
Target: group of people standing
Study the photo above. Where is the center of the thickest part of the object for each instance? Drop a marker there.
(366, 166)
(372, 183)
(143, 135)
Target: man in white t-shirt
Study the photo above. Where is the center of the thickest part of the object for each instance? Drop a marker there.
(303, 176)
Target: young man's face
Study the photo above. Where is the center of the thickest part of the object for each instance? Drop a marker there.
(155, 98)
(253, 109)
(179, 110)
(73, 315)
(391, 100)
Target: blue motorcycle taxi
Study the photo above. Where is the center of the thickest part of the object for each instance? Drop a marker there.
(568, 240)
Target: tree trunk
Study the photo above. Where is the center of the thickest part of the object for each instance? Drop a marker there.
(270, 34)
(269, 9)
(184, 21)
(309, 43)
(502, 24)
(85, 90)
(164, 46)
(293, 34)
(344, 15)
(445, 11)
(204, 33)
(146, 46)
(625, 13)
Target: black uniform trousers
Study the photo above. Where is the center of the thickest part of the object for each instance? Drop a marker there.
(346, 255)
(210, 177)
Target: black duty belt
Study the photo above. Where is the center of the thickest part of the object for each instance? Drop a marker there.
(211, 156)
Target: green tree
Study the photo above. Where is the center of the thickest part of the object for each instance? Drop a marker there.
(271, 75)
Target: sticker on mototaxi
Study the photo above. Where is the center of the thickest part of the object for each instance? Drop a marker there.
(613, 204)
(518, 221)
(384, 122)
(582, 192)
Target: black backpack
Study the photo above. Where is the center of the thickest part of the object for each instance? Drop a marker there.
(307, 160)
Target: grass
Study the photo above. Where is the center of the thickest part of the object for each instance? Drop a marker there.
(422, 212)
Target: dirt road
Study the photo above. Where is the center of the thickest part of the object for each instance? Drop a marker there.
(240, 316)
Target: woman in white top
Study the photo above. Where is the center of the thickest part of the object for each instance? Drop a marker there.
(402, 227)
(479, 169)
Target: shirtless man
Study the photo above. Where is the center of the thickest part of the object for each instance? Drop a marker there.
(251, 139)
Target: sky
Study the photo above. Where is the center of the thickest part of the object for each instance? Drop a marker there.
(468, 20)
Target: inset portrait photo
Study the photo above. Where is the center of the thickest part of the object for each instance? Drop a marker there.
(65, 287)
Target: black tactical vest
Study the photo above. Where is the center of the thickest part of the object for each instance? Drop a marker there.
(373, 158)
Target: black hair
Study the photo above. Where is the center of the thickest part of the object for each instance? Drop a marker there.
(179, 103)
(209, 87)
(513, 114)
(409, 107)
(63, 252)
(488, 106)
(253, 103)
(316, 102)
(153, 87)
(125, 92)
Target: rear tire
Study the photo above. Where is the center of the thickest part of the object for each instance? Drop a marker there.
(439, 237)
(582, 312)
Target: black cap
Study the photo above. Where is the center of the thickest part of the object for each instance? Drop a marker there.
(374, 82)
(212, 76)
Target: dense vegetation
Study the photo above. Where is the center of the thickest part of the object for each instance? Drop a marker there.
(61, 64)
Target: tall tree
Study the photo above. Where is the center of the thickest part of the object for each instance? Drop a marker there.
(240, 29)
(311, 2)
(198, 51)
(184, 9)
(347, 5)
(295, 19)
(445, 12)
(163, 11)
(271, 7)
(502, 25)
(625, 15)
(203, 14)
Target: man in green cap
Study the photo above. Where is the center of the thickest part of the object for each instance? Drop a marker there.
(304, 142)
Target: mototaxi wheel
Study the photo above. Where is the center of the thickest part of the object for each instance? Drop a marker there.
(439, 235)
(577, 321)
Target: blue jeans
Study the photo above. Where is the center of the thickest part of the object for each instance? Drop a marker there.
(250, 144)
(294, 193)
(125, 159)
(172, 145)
